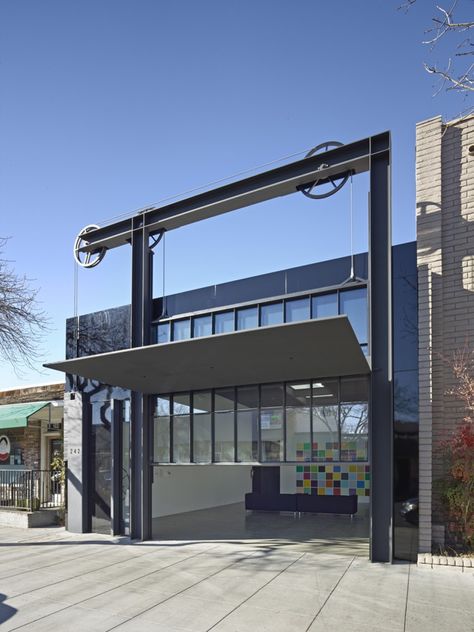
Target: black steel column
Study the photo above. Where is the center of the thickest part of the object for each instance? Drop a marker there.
(87, 470)
(381, 394)
(140, 472)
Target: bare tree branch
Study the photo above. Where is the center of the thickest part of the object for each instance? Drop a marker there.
(22, 321)
(454, 76)
(463, 83)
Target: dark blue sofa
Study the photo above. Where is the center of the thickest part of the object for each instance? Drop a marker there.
(271, 502)
(301, 503)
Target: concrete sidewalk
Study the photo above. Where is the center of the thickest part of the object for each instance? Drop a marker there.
(54, 580)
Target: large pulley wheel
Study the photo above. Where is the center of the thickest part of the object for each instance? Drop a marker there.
(325, 185)
(87, 259)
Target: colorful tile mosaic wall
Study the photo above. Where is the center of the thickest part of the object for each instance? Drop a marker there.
(344, 479)
(350, 451)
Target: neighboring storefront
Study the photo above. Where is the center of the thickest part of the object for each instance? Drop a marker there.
(31, 426)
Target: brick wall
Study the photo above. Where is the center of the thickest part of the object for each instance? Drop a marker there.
(445, 249)
(32, 394)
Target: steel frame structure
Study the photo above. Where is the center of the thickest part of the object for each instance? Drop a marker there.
(373, 155)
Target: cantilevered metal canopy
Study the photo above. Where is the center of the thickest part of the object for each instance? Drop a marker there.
(326, 347)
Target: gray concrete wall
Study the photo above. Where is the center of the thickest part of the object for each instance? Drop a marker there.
(73, 453)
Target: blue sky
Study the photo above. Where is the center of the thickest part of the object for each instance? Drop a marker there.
(110, 106)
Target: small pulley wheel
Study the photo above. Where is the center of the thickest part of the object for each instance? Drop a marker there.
(87, 259)
(326, 185)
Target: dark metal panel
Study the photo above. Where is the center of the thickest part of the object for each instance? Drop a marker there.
(86, 464)
(381, 397)
(404, 260)
(314, 276)
(264, 186)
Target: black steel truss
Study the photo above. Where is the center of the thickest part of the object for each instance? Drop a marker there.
(370, 154)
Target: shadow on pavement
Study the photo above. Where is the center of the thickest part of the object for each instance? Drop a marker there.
(6, 612)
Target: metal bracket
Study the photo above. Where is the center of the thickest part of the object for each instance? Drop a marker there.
(156, 240)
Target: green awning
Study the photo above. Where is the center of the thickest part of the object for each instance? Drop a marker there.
(17, 415)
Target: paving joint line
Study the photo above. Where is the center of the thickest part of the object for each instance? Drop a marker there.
(65, 579)
(180, 592)
(104, 592)
(39, 568)
(406, 600)
(32, 554)
(330, 594)
(255, 593)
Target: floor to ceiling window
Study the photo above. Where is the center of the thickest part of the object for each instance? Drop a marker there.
(323, 420)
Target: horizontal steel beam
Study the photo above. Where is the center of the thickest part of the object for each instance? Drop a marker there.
(289, 178)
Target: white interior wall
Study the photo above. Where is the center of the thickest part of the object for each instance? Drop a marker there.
(287, 479)
(177, 489)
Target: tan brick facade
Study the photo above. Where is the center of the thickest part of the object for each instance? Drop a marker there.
(445, 259)
(32, 394)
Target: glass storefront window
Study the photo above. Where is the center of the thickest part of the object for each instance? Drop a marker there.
(202, 326)
(354, 419)
(304, 421)
(162, 333)
(271, 395)
(202, 438)
(101, 460)
(298, 434)
(202, 427)
(298, 421)
(125, 504)
(247, 435)
(181, 404)
(271, 432)
(181, 439)
(224, 437)
(161, 439)
(181, 329)
(354, 304)
(202, 402)
(325, 420)
(224, 399)
(247, 397)
(223, 322)
(324, 305)
(247, 318)
(271, 314)
(224, 434)
(297, 309)
(161, 429)
(298, 394)
(163, 406)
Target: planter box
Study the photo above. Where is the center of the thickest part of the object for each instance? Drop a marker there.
(26, 519)
(446, 562)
